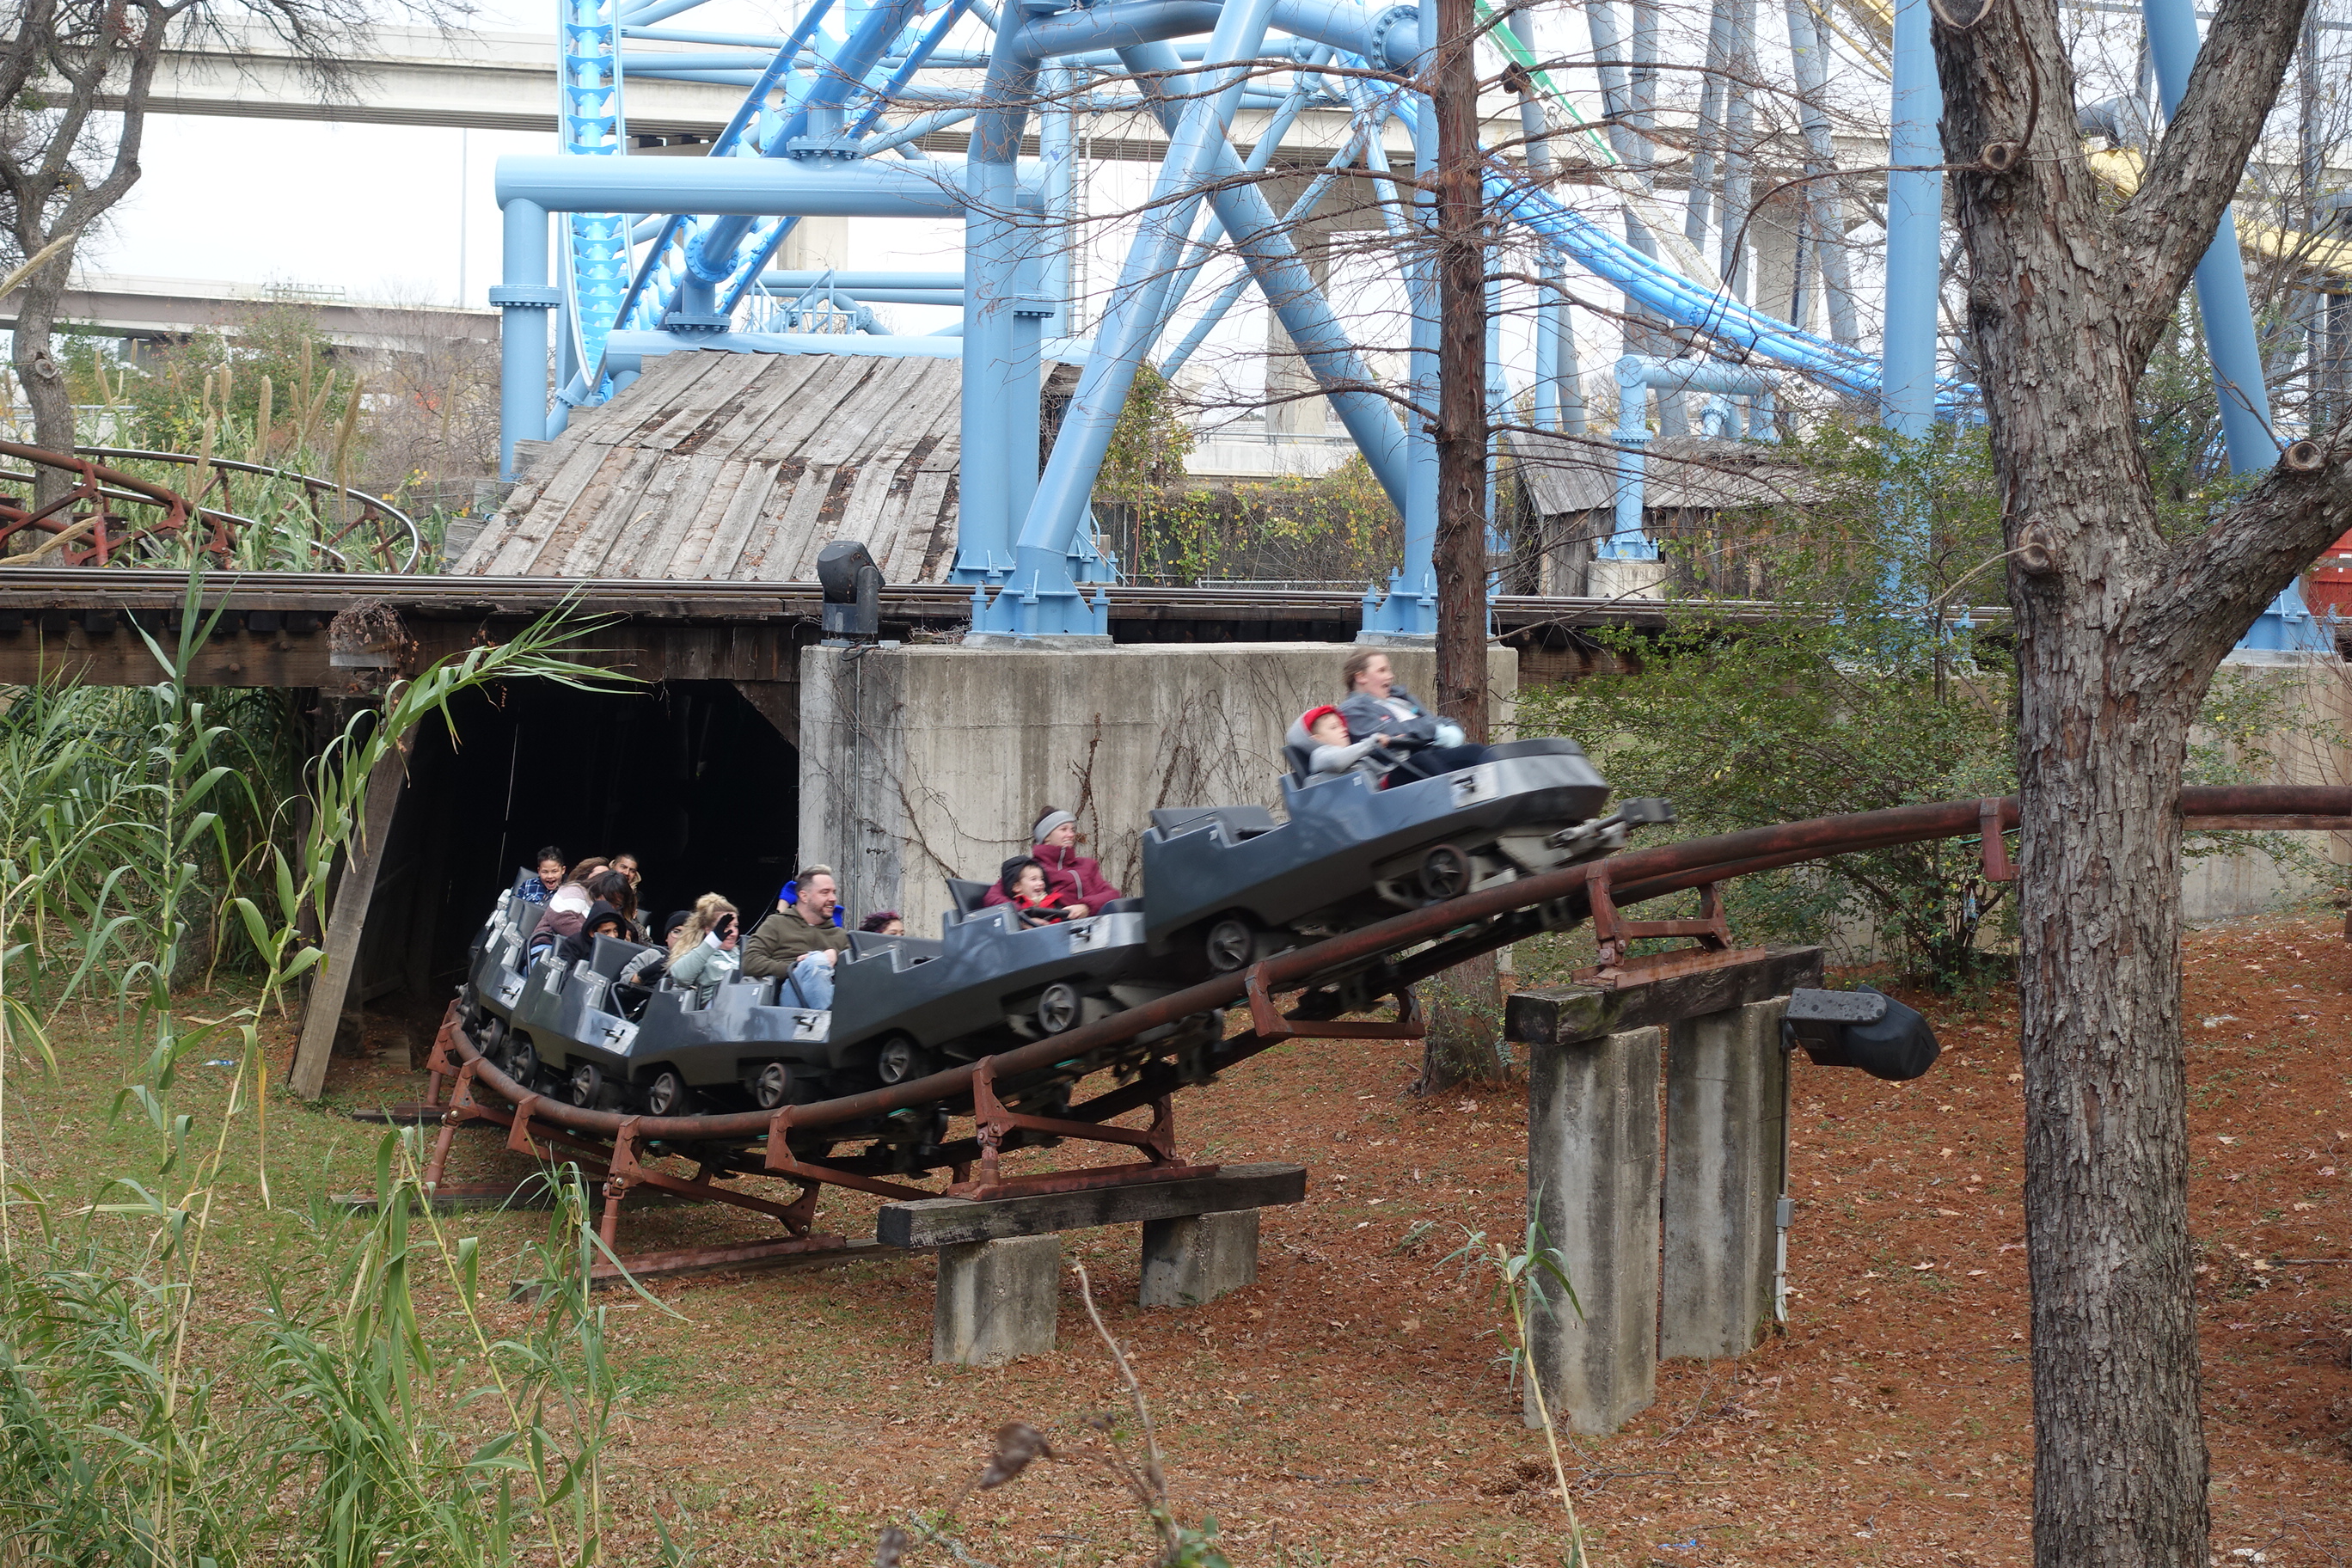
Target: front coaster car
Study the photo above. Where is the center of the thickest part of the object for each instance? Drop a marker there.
(1230, 884)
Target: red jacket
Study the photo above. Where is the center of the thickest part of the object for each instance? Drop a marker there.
(1070, 878)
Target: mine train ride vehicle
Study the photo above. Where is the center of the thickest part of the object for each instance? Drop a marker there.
(1225, 886)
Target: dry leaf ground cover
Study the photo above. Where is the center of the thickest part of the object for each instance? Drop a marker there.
(1354, 1407)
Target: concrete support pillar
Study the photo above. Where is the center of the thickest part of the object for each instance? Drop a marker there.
(997, 1300)
(1192, 1259)
(1592, 1190)
(1727, 1139)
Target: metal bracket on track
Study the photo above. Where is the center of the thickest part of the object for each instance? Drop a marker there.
(1614, 933)
(783, 1161)
(1270, 1023)
(627, 1171)
(1997, 865)
(1158, 1142)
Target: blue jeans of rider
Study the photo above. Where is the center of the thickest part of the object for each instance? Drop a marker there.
(812, 976)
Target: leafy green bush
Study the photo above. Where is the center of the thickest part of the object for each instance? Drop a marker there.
(1813, 717)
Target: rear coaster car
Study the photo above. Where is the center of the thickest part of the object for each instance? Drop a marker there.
(498, 959)
(1231, 885)
(902, 1008)
(576, 1032)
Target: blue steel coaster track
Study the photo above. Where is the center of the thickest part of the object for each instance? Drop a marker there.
(1383, 959)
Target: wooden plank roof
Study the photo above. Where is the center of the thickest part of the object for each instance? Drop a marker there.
(739, 467)
(1578, 473)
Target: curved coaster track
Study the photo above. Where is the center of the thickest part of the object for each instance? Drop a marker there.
(1342, 974)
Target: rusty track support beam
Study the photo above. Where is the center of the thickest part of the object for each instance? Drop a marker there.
(1475, 922)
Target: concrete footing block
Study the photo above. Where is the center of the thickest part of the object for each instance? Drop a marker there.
(997, 1300)
(1192, 1259)
(1592, 1189)
(1726, 1137)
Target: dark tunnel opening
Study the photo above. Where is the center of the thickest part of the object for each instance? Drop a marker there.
(689, 777)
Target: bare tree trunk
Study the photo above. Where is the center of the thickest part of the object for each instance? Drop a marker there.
(1465, 1006)
(2119, 631)
(1461, 433)
(43, 379)
(2116, 1369)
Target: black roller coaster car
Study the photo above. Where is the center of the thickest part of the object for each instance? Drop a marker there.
(1227, 885)
(902, 1008)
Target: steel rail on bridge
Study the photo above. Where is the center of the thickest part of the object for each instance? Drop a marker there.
(66, 588)
(1387, 958)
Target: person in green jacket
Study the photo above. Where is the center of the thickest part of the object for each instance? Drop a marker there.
(801, 941)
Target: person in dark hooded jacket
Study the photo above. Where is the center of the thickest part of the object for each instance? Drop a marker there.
(601, 920)
(1073, 882)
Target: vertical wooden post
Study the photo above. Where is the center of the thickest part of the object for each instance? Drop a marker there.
(344, 924)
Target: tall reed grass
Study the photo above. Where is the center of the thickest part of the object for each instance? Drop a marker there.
(135, 1430)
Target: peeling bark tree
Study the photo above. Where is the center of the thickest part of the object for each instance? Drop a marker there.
(1465, 1004)
(2119, 633)
(1460, 432)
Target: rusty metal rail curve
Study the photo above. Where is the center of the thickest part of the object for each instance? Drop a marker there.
(1637, 874)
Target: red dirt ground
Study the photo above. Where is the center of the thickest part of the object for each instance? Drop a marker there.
(1351, 1409)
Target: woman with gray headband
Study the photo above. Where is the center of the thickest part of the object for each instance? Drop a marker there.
(1076, 881)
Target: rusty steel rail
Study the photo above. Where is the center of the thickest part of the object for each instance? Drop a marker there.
(1636, 876)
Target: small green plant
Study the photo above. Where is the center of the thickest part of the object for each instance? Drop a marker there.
(1519, 1281)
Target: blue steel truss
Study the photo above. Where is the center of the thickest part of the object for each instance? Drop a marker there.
(810, 137)
(590, 123)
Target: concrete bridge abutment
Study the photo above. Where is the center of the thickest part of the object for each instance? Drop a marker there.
(928, 760)
(1658, 1143)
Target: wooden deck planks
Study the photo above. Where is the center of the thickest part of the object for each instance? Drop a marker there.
(732, 467)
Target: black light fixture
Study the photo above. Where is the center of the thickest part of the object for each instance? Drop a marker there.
(1864, 1029)
(853, 592)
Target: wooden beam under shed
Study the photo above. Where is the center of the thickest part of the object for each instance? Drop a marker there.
(308, 1077)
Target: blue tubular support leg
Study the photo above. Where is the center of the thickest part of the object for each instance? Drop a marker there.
(993, 255)
(1637, 375)
(524, 297)
(1057, 142)
(658, 281)
(2221, 274)
(710, 259)
(1914, 216)
(2288, 627)
(1051, 603)
(1301, 209)
(596, 248)
(1551, 310)
(1286, 115)
(1274, 262)
(1410, 607)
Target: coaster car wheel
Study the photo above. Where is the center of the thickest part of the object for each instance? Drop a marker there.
(771, 1086)
(517, 1059)
(900, 1060)
(1445, 873)
(666, 1095)
(1060, 1007)
(587, 1085)
(1231, 942)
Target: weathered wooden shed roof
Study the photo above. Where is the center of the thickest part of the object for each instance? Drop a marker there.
(1577, 474)
(738, 466)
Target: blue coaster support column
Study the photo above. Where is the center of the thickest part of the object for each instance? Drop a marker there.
(1915, 214)
(1637, 375)
(524, 297)
(1410, 608)
(2288, 627)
